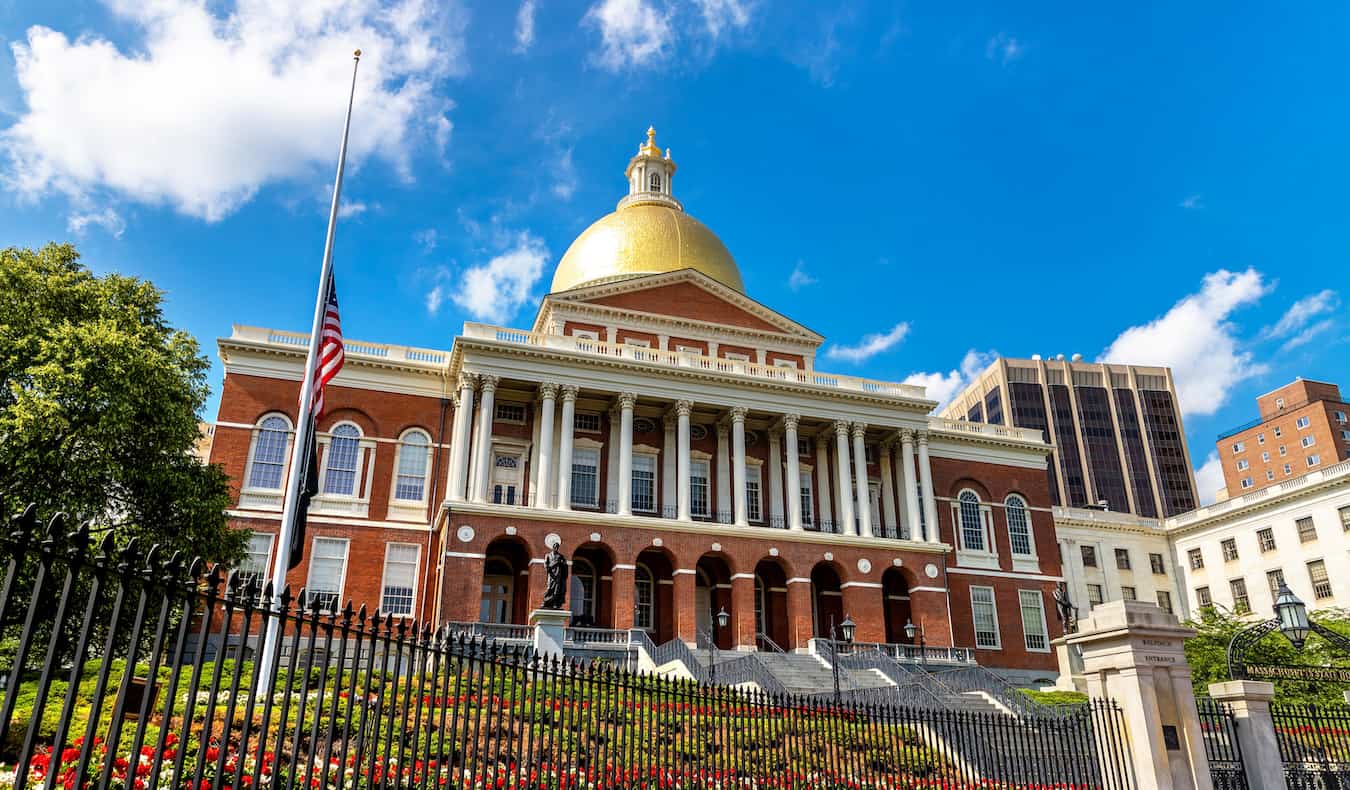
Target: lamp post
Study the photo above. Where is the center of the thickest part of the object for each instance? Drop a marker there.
(847, 627)
(1292, 621)
(720, 621)
(911, 630)
(1293, 617)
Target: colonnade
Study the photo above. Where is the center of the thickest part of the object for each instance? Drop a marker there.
(848, 506)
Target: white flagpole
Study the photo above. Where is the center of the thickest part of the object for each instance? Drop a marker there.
(294, 480)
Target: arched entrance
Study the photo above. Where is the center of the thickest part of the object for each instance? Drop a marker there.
(827, 596)
(591, 595)
(654, 595)
(505, 589)
(771, 618)
(712, 593)
(895, 604)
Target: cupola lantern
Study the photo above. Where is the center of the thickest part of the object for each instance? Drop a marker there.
(650, 173)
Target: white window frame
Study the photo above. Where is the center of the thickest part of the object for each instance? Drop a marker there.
(983, 558)
(1027, 562)
(807, 484)
(1313, 460)
(384, 577)
(1260, 438)
(684, 348)
(1340, 416)
(637, 342)
(1265, 457)
(645, 456)
(1242, 465)
(701, 461)
(357, 503)
(650, 608)
(754, 506)
(1303, 422)
(1247, 482)
(255, 497)
(410, 509)
(993, 613)
(1101, 595)
(577, 426)
(509, 404)
(262, 570)
(342, 576)
(1270, 474)
(1022, 597)
(785, 363)
(586, 334)
(1308, 441)
(588, 451)
(735, 356)
(1238, 447)
(1283, 451)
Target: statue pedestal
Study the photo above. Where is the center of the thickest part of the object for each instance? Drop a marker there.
(1070, 666)
(549, 631)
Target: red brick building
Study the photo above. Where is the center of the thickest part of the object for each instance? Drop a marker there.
(676, 436)
(1303, 427)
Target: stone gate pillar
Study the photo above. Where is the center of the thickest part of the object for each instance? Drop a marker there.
(1255, 730)
(1132, 654)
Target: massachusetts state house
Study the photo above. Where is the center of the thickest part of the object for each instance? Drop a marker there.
(676, 435)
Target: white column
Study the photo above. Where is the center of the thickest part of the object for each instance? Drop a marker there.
(888, 522)
(843, 480)
(864, 503)
(569, 416)
(775, 479)
(626, 403)
(485, 415)
(682, 410)
(668, 467)
(822, 475)
(544, 475)
(459, 439)
(612, 460)
(794, 475)
(738, 465)
(926, 482)
(907, 482)
(723, 470)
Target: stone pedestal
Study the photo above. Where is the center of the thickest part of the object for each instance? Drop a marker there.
(1250, 703)
(1070, 667)
(1132, 654)
(549, 631)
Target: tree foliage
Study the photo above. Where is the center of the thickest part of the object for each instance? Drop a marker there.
(1207, 654)
(98, 406)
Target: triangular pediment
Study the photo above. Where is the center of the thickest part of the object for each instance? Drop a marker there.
(685, 295)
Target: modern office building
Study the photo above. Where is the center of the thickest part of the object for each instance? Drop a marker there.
(1303, 427)
(1116, 430)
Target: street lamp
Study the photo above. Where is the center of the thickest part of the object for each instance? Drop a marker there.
(911, 630)
(1292, 615)
(720, 621)
(847, 627)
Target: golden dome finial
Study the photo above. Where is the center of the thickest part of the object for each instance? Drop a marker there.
(650, 148)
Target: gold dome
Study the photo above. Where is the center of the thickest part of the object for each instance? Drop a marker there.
(644, 238)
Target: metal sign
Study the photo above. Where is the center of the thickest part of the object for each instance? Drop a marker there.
(1287, 672)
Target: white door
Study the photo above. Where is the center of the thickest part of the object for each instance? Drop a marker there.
(506, 479)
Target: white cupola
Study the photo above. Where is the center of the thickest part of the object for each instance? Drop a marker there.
(649, 175)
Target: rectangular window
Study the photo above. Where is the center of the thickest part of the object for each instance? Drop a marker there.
(1302, 422)
(1288, 470)
(1345, 518)
(1306, 531)
(1278, 432)
(1094, 595)
(803, 447)
(586, 334)
(585, 477)
(1238, 447)
(1260, 438)
(1317, 574)
(698, 488)
(410, 482)
(342, 459)
(686, 349)
(1156, 563)
(1314, 460)
(753, 504)
(587, 422)
(790, 364)
(1270, 474)
(1340, 416)
(327, 569)
(1345, 435)
(1123, 559)
(1196, 558)
(808, 509)
(735, 356)
(1242, 465)
(1165, 601)
(1202, 597)
(1230, 552)
(1239, 589)
(1283, 451)
(1308, 441)
(255, 566)
(1266, 537)
(1129, 594)
(637, 342)
(1033, 620)
(644, 483)
(1275, 579)
(1247, 482)
(509, 412)
(985, 617)
(1089, 557)
(400, 578)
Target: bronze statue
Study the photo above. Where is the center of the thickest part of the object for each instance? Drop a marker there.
(555, 565)
(1064, 608)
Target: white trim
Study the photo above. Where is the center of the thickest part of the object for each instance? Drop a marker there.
(736, 576)
(869, 585)
(417, 575)
(798, 580)
(342, 580)
(1040, 577)
(1045, 627)
(624, 567)
(993, 609)
(334, 521)
(246, 487)
(680, 571)
(466, 555)
(928, 589)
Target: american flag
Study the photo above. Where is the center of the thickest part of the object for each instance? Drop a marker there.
(331, 351)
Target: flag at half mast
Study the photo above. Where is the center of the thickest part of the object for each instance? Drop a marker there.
(331, 356)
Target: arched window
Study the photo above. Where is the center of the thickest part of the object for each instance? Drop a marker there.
(344, 457)
(644, 597)
(656, 182)
(972, 525)
(411, 482)
(583, 590)
(269, 453)
(1019, 525)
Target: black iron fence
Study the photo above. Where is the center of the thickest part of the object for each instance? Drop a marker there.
(124, 668)
(1314, 745)
(1219, 730)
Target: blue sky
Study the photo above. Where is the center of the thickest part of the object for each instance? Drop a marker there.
(924, 184)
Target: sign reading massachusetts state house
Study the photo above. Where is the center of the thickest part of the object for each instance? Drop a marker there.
(1288, 672)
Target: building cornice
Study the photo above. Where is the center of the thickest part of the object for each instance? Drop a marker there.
(1109, 521)
(692, 328)
(1326, 479)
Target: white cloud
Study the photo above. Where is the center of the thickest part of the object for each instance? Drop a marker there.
(799, 279)
(105, 218)
(1209, 479)
(565, 181)
(942, 387)
(632, 32)
(1304, 310)
(870, 345)
(427, 239)
(1196, 339)
(212, 106)
(1306, 336)
(436, 297)
(352, 208)
(525, 26)
(496, 289)
(1004, 48)
(719, 15)
(1192, 203)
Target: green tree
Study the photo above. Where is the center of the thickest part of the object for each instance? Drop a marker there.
(98, 407)
(1207, 654)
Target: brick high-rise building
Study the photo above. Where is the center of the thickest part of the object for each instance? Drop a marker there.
(1303, 427)
(1115, 429)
